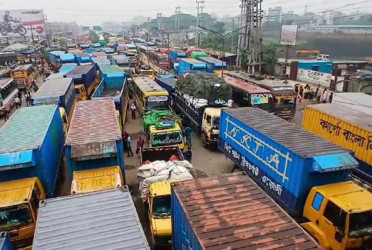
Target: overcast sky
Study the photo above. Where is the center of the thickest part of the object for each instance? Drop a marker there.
(92, 12)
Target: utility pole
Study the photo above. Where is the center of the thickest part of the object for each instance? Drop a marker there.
(46, 30)
(177, 18)
(199, 20)
(159, 21)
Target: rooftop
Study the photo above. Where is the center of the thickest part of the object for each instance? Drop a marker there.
(192, 61)
(26, 128)
(53, 87)
(245, 86)
(110, 69)
(147, 84)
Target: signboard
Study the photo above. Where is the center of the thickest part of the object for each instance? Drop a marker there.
(289, 35)
(315, 77)
(15, 23)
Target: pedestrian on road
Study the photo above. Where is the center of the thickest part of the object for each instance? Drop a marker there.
(6, 114)
(133, 109)
(17, 102)
(129, 144)
(140, 143)
(125, 140)
(28, 99)
(325, 96)
(300, 94)
(317, 92)
(330, 98)
(188, 155)
(188, 135)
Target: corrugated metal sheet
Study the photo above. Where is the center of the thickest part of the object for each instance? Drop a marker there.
(245, 86)
(147, 84)
(26, 128)
(66, 68)
(110, 69)
(53, 87)
(358, 101)
(347, 127)
(79, 70)
(103, 220)
(192, 61)
(100, 60)
(94, 121)
(231, 212)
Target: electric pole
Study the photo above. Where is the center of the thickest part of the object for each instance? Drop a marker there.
(177, 18)
(160, 21)
(199, 20)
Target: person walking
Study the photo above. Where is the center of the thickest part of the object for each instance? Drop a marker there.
(129, 145)
(317, 90)
(188, 135)
(28, 98)
(133, 110)
(125, 140)
(325, 95)
(300, 94)
(188, 154)
(17, 102)
(6, 114)
(140, 143)
(330, 98)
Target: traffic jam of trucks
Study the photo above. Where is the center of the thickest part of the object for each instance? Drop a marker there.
(69, 178)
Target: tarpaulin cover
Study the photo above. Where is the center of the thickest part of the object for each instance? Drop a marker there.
(157, 117)
(198, 54)
(203, 85)
(162, 171)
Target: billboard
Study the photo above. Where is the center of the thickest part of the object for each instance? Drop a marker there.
(289, 35)
(22, 23)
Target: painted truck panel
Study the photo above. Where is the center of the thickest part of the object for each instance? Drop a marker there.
(82, 58)
(99, 220)
(231, 212)
(34, 150)
(344, 126)
(59, 92)
(94, 138)
(282, 158)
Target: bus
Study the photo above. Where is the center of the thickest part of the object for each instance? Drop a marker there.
(8, 91)
(245, 94)
(159, 59)
(284, 96)
(21, 75)
(149, 95)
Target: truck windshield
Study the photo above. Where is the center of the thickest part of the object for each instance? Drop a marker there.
(216, 122)
(285, 102)
(360, 224)
(157, 102)
(15, 216)
(166, 138)
(162, 206)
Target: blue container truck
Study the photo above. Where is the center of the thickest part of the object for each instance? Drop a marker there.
(84, 79)
(285, 160)
(190, 64)
(92, 50)
(168, 84)
(67, 58)
(94, 138)
(213, 65)
(176, 54)
(113, 86)
(100, 60)
(31, 145)
(65, 68)
(59, 92)
(82, 58)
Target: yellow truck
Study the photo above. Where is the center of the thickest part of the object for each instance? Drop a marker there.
(19, 204)
(155, 188)
(169, 136)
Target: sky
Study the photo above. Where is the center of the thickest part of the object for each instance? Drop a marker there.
(94, 12)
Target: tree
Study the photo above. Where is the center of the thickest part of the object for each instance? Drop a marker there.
(243, 60)
(93, 37)
(270, 57)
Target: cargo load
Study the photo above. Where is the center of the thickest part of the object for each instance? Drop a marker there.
(231, 212)
(31, 145)
(285, 160)
(159, 118)
(198, 54)
(190, 64)
(99, 220)
(94, 138)
(345, 126)
(213, 65)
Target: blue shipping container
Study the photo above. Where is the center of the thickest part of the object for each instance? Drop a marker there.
(31, 145)
(82, 58)
(176, 54)
(67, 57)
(320, 66)
(111, 71)
(282, 158)
(64, 69)
(92, 50)
(167, 83)
(60, 92)
(83, 74)
(189, 64)
(100, 60)
(94, 138)
(213, 64)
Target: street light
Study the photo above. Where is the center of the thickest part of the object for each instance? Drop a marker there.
(222, 38)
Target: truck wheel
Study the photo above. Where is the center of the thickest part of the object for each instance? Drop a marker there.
(204, 140)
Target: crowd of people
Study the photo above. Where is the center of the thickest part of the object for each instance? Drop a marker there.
(318, 96)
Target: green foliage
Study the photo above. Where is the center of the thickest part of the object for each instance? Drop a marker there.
(270, 57)
(93, 37)
(243, 59)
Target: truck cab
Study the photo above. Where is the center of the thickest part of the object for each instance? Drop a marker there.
(159, 211)
(19, 204)
(86, 181)
(210, 126)
(166, 136)
(81, 92)
(339, 216)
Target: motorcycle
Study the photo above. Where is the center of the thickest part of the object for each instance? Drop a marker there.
(17, 27)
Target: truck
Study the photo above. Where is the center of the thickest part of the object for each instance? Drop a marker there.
(82, 58)
(98, 220)
(305, 174)
(169, 84)
(84, 79)
(5, 242)
(123, 62)
(175, 55)
(59, 92)
(113, 86)
(230, 212)
(190, 64)
(346, 126)
(213, 65)
(198, 99)
(163, 128)
(156, 174)
(101, 60)
(31, 145)
(94, 142)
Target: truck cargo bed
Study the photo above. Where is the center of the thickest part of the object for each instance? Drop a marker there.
(111, 92)
(231, 212)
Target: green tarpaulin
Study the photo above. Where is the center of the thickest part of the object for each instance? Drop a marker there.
(162, 119)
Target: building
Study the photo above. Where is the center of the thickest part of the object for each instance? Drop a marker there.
(64, 29)
(274, 15)
(328, 17)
